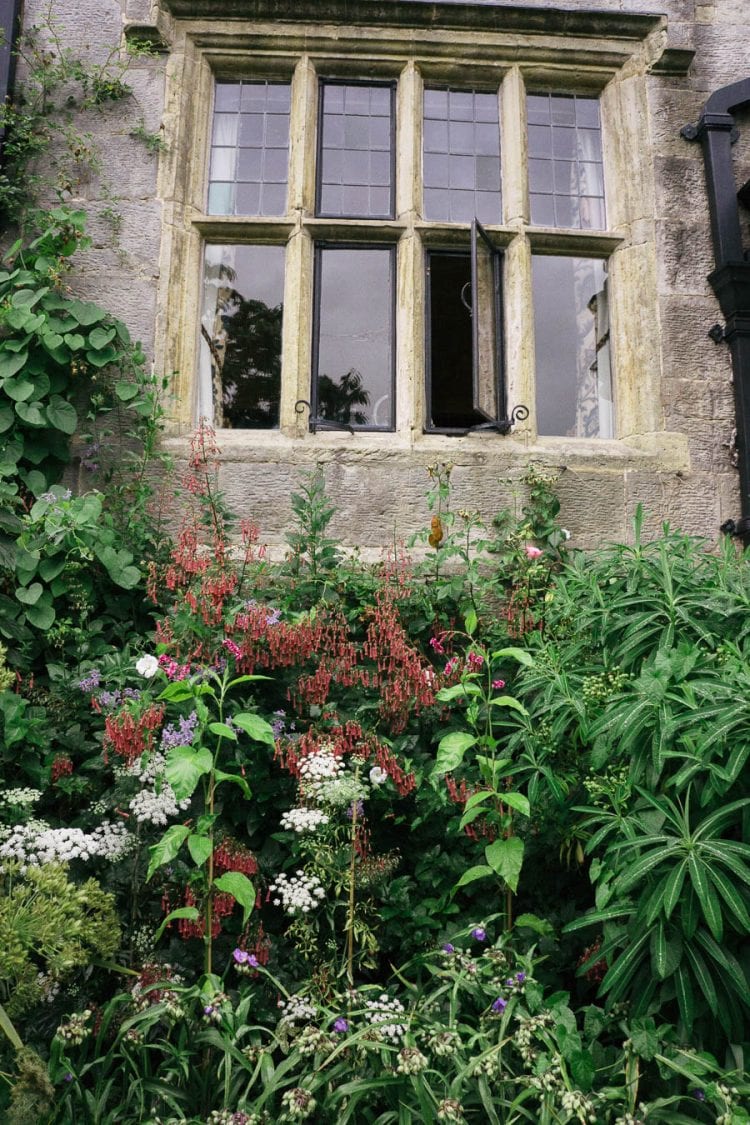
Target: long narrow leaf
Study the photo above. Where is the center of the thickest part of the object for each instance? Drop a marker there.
(623, 969)
(699, 877)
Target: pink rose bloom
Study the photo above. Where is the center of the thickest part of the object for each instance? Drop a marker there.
(532, 552)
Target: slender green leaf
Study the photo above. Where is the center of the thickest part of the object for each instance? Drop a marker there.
(727, 961)
(674, 887)
(685, 1000)
(190, 912)
(732, 898)
(596, 917)
(622, 971)
(707, 896)
(703, 977)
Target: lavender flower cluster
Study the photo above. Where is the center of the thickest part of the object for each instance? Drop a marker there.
(181, 733)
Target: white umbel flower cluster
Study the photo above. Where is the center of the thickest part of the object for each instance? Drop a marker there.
(297, 1009)
(304, 820)
(299, 894)
(35, 843)
(20, 797)
(319, 768)
(147, 768)
(157, 807)
(381, 1012)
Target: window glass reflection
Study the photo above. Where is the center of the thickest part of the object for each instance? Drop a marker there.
(240, 376)
(354, 356)
(573, 369)
(566, 171)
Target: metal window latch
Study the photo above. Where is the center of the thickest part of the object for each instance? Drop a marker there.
(317, 423)
(502, 425)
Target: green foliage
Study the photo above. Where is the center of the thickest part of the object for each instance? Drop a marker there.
(51, 346)
(466, 1034)
(33, 1094)
(49, 924)
(314, 556)
(45, 151)
(640, 677)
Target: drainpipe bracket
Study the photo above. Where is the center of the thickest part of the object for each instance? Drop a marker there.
(712, 121)
(739, 528)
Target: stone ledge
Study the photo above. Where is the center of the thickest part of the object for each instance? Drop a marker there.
(591, 22)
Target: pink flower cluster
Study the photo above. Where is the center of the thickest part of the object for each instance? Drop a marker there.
(173, 670)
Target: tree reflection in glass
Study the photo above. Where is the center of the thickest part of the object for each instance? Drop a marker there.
(241, 328)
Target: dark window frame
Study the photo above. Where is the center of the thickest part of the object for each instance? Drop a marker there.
(389, 84)
(316, 422)
(10, 21)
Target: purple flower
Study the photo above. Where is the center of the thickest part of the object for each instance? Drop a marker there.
(88, 683)
(700, 1095)
(274, 617)
(341, 1025)
(520, 977)
(479, 934)
(448, 948)
(68, 1077)
(509, 981)
(242, 958)
(109, 698)
(208, 1010)
(360, 810)
(180, 734)
(499, 1005)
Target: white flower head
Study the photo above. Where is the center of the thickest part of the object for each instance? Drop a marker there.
(147, 666)
(378, 776)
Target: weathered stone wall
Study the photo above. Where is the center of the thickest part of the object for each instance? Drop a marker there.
(680, 467)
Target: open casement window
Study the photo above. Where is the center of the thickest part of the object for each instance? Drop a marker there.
(464, 338)
(332, 184)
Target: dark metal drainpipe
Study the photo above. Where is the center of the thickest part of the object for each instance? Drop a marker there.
(730, 280)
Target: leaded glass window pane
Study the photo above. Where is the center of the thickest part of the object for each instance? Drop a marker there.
(249, 149)
(356, 150)
(461, 158)
(566, 171)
